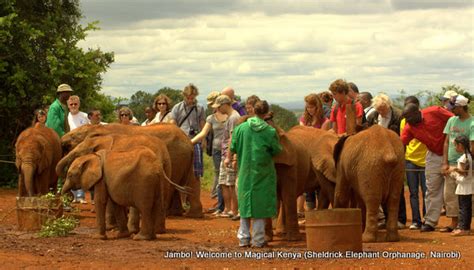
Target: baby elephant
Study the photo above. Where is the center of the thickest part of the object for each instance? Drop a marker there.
(129, 178)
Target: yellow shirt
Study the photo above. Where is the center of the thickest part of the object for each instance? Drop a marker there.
(415, 150)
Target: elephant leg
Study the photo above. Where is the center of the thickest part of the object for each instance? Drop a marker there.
(111, 223)
(100, 209)
(268, 230)
(392, 219)
(280, 220)
(133, 220)
(371, 209)
(291, 221)
(175, 206)
(195, 210)
(160, 220)
(121, 217)
(147, 230)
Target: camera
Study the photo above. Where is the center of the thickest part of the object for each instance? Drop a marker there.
(192, 132)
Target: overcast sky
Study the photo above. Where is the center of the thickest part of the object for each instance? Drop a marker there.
(283, 50)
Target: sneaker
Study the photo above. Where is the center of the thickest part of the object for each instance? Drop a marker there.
(226, 215)
(400, 225)
(217, 212)
(426, 228)
(415, 226)
(236, 217)
(460, 232)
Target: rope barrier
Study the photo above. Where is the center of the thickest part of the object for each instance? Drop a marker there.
(7, 161)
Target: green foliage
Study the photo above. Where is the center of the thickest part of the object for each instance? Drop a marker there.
(54, 227)
(431, 98)
(283, 118)
(138, 102)
(38, 51)
(208, 179)
(58, 227)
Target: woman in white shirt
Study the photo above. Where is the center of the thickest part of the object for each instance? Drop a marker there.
(163, 106)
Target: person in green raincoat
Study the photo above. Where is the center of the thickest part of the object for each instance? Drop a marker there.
(255, 143)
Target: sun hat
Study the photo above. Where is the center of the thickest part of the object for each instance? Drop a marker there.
(64, 88)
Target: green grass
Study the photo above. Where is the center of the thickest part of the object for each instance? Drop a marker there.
(206, 181)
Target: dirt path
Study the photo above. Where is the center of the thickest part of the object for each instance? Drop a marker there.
(207, 237)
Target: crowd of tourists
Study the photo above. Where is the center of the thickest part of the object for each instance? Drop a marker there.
(439, 142)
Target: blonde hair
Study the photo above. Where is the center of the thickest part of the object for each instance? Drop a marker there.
(190, 89)
(315, 100)
(381, 100)
(74, 98)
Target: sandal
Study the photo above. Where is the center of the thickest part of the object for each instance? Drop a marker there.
(446, 229)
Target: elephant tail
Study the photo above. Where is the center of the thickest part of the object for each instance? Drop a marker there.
(390, 157)
(185, 190)
(338, 149)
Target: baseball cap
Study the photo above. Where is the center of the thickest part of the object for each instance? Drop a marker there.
(221, 100)
(461, 101)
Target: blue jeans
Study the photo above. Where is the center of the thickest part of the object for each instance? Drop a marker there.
(415, 179)
(258, 232)
(216, 189)
(79, 194)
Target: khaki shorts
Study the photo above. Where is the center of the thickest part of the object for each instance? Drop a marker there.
(227, 176)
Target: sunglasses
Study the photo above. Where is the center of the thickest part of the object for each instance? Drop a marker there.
(124, 114)
(73, 104)
(158, 103)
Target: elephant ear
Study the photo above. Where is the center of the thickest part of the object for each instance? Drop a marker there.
(322, 158)
(288, 154)
(91, 171)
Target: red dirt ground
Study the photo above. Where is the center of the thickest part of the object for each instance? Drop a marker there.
(213, 235)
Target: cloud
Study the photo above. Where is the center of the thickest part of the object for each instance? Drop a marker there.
(283, 53)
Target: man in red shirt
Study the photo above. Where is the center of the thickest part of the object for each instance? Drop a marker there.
(347, 114)
(427, 126)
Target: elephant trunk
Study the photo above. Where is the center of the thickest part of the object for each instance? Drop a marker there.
(62, 165)
(67, 186)
(28, 171)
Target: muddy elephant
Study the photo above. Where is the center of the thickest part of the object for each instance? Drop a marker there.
(134, 178)
(304, 164)
(122, 143)
(38, 150)
(179, 147)
(371, 165)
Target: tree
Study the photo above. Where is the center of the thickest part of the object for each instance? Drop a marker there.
(138, 102)
(283, 117)
(431, 98)
(38, 51)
